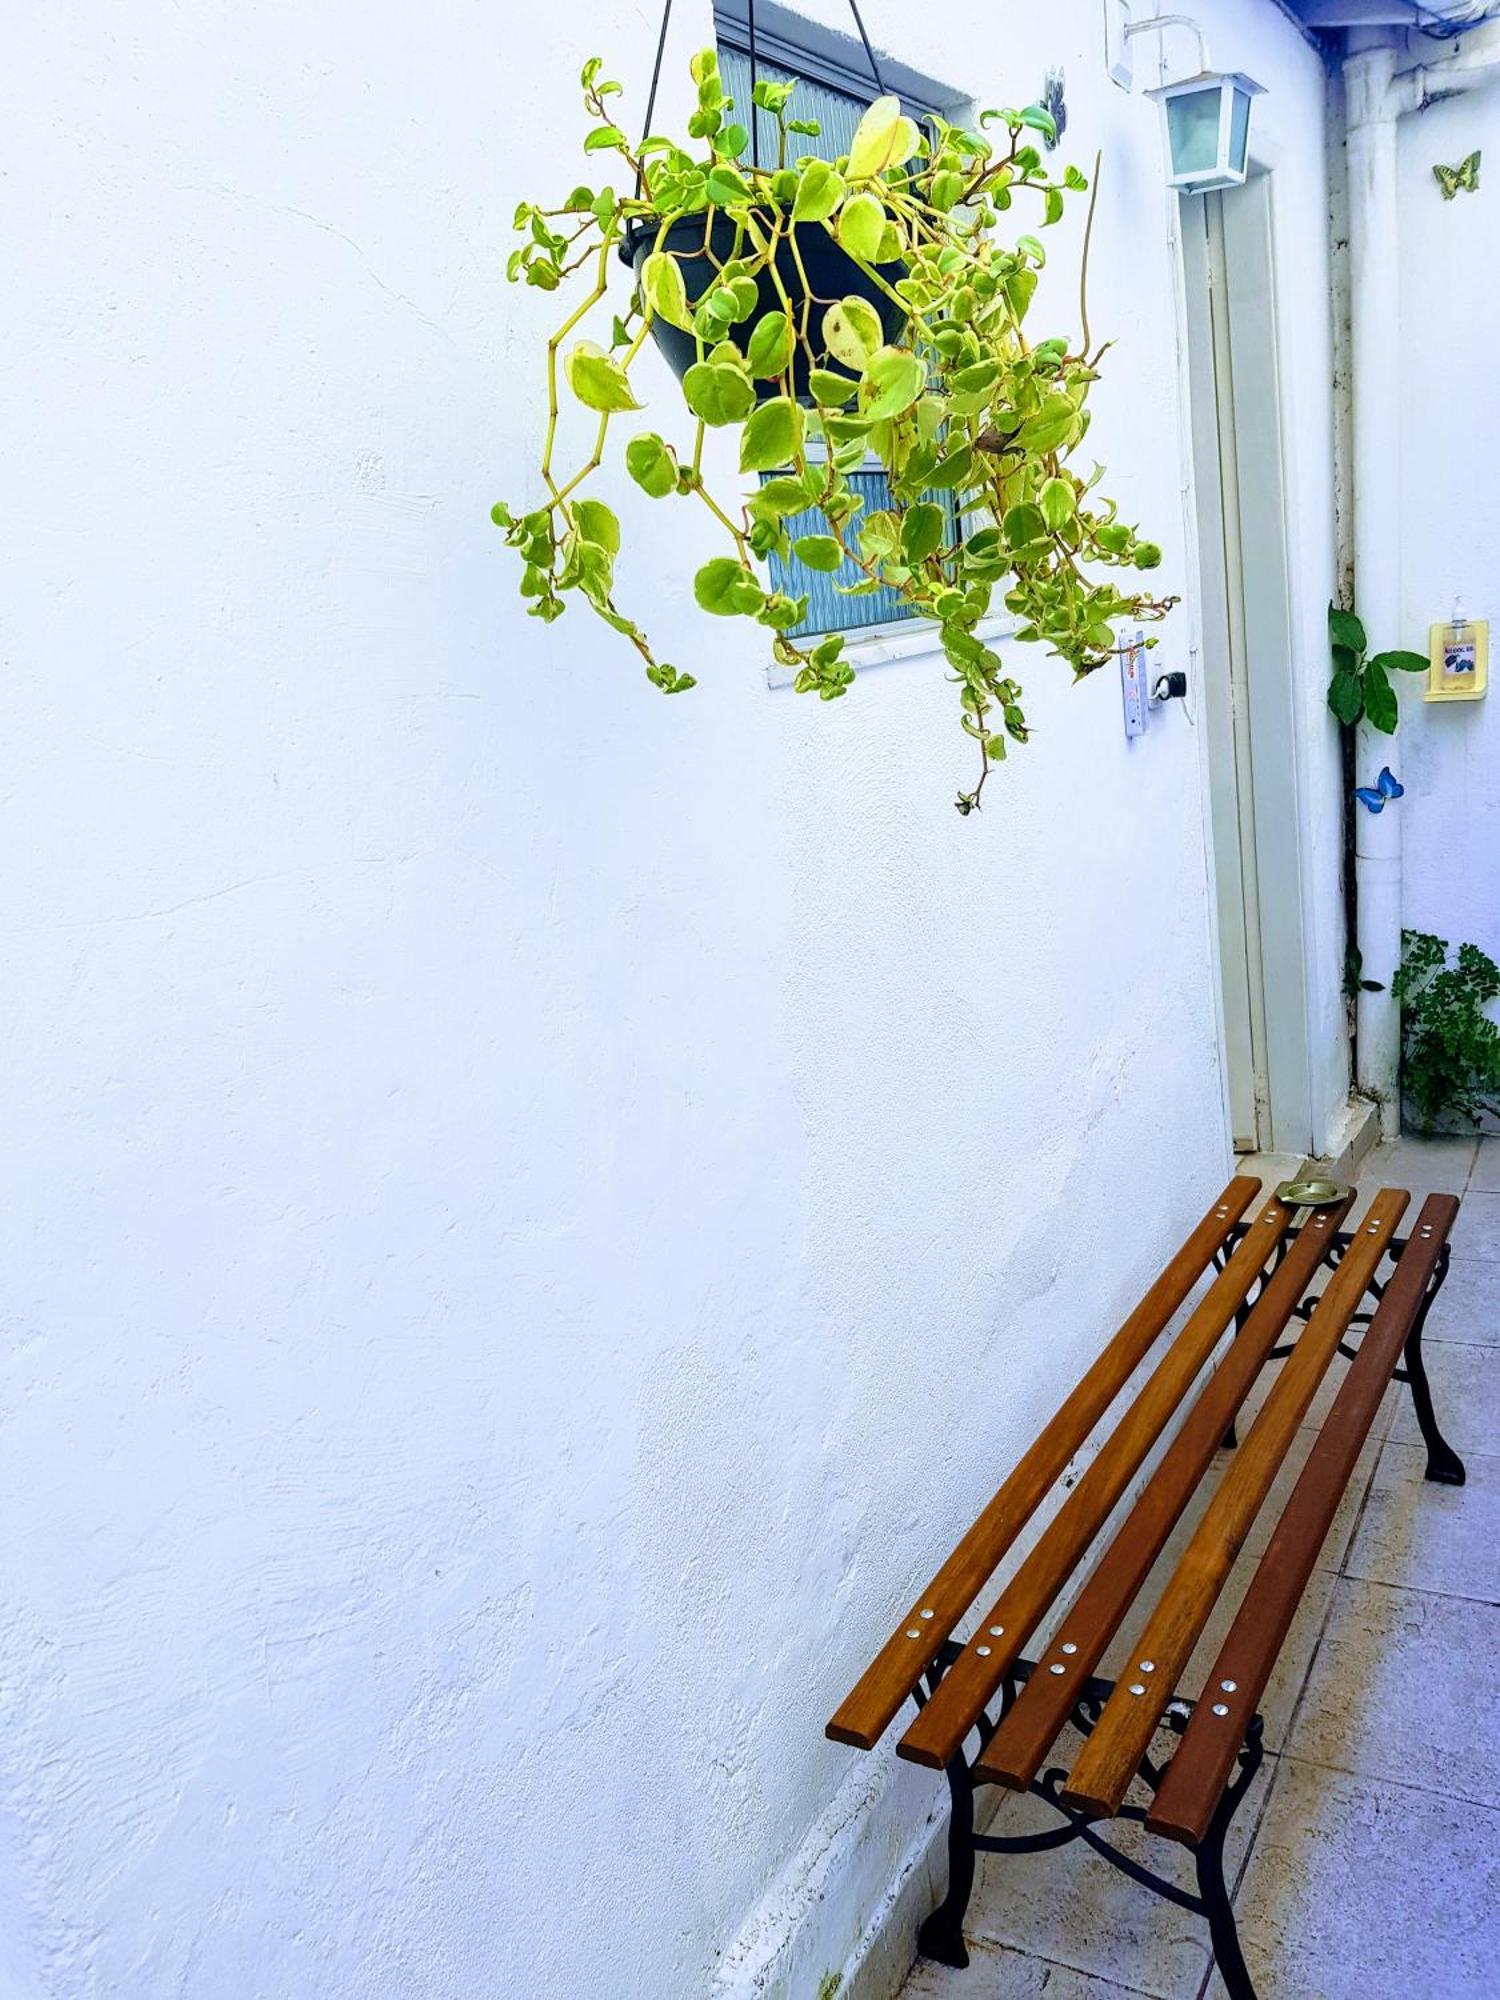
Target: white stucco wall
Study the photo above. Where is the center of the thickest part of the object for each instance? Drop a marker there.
(533, 1210)
(1448, 754)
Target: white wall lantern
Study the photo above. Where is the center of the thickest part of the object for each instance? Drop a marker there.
(1208, 128)
(1208, 114)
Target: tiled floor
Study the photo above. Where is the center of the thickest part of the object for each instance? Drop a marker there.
(1367, 1860)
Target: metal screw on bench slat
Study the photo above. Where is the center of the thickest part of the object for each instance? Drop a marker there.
(997, 1631)
(1057, 1668)
(983, 1652)
(1229, 1686)
(912, 1632)
(1068, 1646)
(1148, 1666)
(1137, 1687)
(924, 1614)
(1221, 1708)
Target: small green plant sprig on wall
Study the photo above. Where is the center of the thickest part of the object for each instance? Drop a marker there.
(1361, 686)
(1450, 1048)
(923, 361)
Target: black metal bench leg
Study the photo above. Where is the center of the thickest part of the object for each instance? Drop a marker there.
(942, 1935)
(1443, 1463)
(1209, 1857)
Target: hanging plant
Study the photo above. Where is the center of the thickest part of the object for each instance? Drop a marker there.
(827, 310)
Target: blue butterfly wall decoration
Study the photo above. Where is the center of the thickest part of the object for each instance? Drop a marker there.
(1385, 787)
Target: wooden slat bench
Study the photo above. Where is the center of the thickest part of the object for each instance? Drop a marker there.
(1012, 1706)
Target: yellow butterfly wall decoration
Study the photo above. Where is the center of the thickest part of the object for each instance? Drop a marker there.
(1465, 177)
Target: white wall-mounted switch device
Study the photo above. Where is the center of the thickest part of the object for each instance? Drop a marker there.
(1133, 681)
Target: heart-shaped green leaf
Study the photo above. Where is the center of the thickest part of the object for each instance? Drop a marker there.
(783, 496)
(664, 291)
(650, 463)
(718, 393)
(727, 588)
(861, 226)
(769, 349)
(1056, 502)
(726, 188)
(597, 524)
(852, 331)
(819, 192)
(882, 139)
(1019, 288)
(893, 380)
(772, 436)
(1023, 525)
(1050, 426)
(819, 552)
(922, 531)
(598, 382)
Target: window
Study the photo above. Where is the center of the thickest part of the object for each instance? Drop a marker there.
(837, 96)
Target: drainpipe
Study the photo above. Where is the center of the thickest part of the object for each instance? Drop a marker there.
(1376, 95)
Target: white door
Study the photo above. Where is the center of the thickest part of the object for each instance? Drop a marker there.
(1246, 665)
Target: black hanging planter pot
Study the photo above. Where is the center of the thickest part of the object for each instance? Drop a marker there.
(832, 274)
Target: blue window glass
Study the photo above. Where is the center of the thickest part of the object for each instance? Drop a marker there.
(828, 608)
(837, 112)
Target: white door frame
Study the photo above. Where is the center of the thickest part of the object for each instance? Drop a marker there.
(1239, 479)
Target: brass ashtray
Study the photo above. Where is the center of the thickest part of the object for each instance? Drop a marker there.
(1313, 1192)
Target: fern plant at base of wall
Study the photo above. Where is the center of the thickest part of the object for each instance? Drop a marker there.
(970, 419)
(1450, 1048)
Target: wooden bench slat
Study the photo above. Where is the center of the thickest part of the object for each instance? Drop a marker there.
(1204, 1762)
(972, 1679)
(1016, 1751)
(867, 1711)
(1112, 1753)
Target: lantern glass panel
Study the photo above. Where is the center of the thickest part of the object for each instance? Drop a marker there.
(1193, 130)
(1239, 131)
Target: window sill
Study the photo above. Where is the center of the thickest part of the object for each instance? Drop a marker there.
(880, 645)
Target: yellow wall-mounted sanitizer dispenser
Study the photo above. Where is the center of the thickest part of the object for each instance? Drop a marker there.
(1459, 660)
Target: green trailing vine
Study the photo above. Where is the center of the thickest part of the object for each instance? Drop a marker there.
(1361, 684)
(923, 360)
(1450, 1047)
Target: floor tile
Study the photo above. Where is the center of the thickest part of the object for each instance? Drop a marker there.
(1280, 1697)
(1323, 1397)
(1467, 1309)
(1465, 1383)
(1270, 1169)
(1403, 1688)
(994, 1972)
(1337, 1540)
(1421, 1166)
(1476, 1232)
(1271, 1511)
(1428, 1537)
(1362, 1891)
(1071, 1907)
